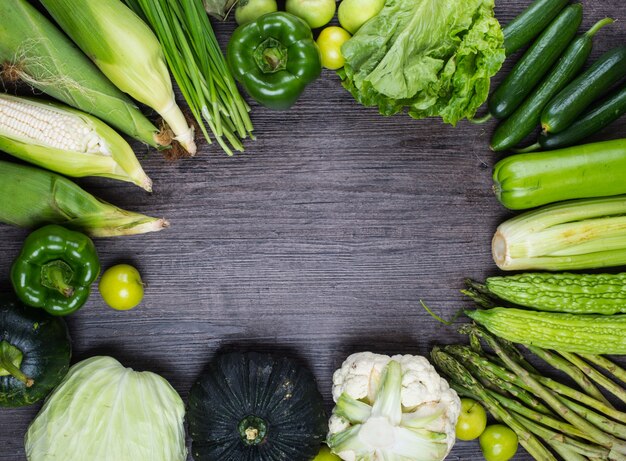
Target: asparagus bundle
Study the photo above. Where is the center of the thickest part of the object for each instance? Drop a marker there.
(576, 422)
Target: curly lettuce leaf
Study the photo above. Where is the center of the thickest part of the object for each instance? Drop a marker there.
(428, 57)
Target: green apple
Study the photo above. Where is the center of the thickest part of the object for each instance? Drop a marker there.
(354, 13)
(249, 10)
(316, 13)
(326, 455)
(472, 420)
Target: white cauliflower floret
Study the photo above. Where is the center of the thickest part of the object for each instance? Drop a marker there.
(392, 407)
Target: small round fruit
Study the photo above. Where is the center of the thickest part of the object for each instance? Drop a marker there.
(326, 455)
(472, 420)
(329, 43)
(250, 10)
(121, 287)
(315, 12)
(498, 443)
(353, 14)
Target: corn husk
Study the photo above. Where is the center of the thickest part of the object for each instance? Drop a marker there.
(33, 50)
(99, 150)
(33, 197)
(127, 52)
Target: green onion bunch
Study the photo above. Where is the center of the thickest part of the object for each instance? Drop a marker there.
(198, 65)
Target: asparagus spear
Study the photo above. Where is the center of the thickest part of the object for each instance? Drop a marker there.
(608, 441)
(458, 373)
(605, 363)
(572, 371)
(595, 375)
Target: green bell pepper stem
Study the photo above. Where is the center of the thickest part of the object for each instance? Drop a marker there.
(274, 58)
(55, 269)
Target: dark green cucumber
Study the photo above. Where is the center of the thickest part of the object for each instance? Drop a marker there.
(592, 84)
(601, 116)
(563, 292)
(530, 23)
(584, 334)
(591, 170)
(524, 120)
(535, 63)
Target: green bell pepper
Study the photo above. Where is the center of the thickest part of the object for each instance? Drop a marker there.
(274, 58)
(55, 270)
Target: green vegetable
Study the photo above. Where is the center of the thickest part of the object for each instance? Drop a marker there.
(103, 411)
(326, 455)
(526, 117)
(34, 51)
(592, 170)
(127, 52)
(461, 380)
(352, 14)
(530, 23)
(251, 10)
(55, 269)
(395, 408)
(256, 407)
(563, 292)
(592, 84)
(274, 58)
(219, 9)
(329, 42)
(428, 57)
(66, 141)
(34, 353)
(316, 13)
(498, 443)
(579, 234)
(200, 69)
(600, 116)
(587, 334)
(535, 63)
(121, 287)
(40, 197)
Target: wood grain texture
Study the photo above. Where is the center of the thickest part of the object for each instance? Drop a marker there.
(318, 242)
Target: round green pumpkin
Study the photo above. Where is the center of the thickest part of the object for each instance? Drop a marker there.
(256, 407)
(34, 353)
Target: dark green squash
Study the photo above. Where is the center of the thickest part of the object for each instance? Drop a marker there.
(34, 353)
(256, 407)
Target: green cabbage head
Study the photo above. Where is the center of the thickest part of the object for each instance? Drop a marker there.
(103, 411)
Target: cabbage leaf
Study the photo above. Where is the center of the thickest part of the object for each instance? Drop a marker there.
(428, 57)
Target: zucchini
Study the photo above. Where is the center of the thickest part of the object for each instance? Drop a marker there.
(572, 101)
(524, 120)
(530, 23)
(535, 63)
(563, 292)
(591, 170)
(598, 118)
(582, 334)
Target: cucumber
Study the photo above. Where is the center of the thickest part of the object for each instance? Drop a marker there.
(524, 120)
(534, 19)
(592, 84)
(535, 63)
(601, 116)
(582, 334)
(563, 292)
(591, 170)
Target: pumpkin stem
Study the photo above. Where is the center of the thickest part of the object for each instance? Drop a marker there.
(10, 362)
(252, 430)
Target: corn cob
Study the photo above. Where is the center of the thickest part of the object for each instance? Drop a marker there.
(33, 50)
(127, 52)
(33, 197)
(66, 141)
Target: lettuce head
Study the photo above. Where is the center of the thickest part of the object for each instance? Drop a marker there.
(428, 57)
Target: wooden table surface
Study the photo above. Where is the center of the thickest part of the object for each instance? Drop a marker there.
(317, 242)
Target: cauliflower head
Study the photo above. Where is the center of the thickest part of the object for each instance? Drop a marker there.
(392, 408)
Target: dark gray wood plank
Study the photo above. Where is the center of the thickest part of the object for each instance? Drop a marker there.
(317, 242)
